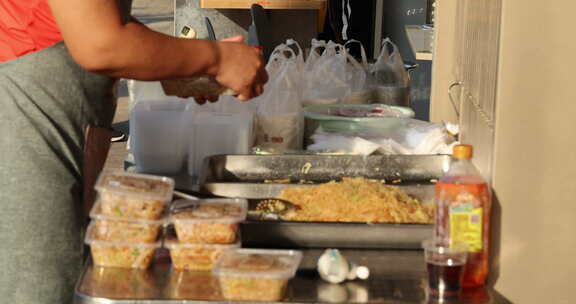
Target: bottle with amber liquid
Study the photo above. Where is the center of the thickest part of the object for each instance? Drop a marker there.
(463, 202)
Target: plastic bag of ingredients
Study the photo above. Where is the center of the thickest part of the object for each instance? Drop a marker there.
(357, 77)
(279, 120)
(389, 67)
(317, 47)
(291, 49)
(325, 80)
(198, 86)
(390, 80)
(412, 137)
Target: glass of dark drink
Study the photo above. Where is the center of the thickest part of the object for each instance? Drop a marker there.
(445, 262)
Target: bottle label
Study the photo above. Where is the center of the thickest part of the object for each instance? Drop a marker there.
(466, 224)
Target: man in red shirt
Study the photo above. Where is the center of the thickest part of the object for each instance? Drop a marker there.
(54, 95)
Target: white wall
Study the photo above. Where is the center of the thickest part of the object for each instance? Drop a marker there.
(534, 155)
(535, 151)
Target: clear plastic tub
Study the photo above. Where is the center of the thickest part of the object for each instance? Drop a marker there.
(158, 137)
(114, 282)
(136, 196)
(256, 274)
(110, 228)
(120, 254)
(208, 221)
(200, 257)
(197, 285)
(218, 133)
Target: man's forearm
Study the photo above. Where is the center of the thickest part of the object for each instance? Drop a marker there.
(128, 50)
(140, 53)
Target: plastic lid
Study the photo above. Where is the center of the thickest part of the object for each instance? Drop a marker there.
(259, 263)
(462, 152)
(209, 210)
(362, 272)
(91, 239)
(172, 243)
(136, 185)
(96, 213)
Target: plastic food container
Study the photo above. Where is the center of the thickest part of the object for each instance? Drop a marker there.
(136, 196)
(256, 274)
(109, 228)
(208, 221)
(201, 257)
(197, 285)
(120, 254)
(114, 282)
(158, 137)
(218, 133)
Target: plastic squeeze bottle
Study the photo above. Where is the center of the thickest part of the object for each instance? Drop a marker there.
(463, 202)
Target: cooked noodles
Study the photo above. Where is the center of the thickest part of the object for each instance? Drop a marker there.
(356, 200)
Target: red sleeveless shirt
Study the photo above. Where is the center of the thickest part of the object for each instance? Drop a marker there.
(26, 26)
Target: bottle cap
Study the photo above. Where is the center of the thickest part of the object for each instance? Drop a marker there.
(462, 152)
(362, 272)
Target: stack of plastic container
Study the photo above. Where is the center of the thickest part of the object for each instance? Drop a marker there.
(127, 219)
(204, 231)
(218, 133)
(158, 132)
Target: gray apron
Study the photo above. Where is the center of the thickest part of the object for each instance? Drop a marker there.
(47, 102)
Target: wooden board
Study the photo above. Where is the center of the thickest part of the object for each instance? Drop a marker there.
(267, 4)
(320, 5)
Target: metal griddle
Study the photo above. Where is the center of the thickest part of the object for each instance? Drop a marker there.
(245, 175)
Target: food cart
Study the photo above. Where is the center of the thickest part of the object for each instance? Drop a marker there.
(390, 251)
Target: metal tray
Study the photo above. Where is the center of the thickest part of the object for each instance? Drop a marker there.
(395, 277)
(244, 176)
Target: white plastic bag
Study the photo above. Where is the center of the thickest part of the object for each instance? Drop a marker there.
(279, 120)
(357, 77)
(325, 80)
(317, 47)
(410, 137)
(389, 67)
(335, 143)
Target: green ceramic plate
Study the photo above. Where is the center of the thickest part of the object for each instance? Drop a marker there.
(328, 118)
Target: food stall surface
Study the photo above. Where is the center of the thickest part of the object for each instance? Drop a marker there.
(397, 276)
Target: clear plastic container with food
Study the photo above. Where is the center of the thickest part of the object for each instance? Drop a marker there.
(198, 257)
(256, 274)
(208, 221)
(120, 254)
(114, 282)
(131, 195)
(197, 285)
(111, 228)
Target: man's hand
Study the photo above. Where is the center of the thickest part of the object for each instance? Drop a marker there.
(241, 68)
(258, 89)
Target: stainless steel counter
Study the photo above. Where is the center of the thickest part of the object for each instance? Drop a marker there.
(397, 276)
